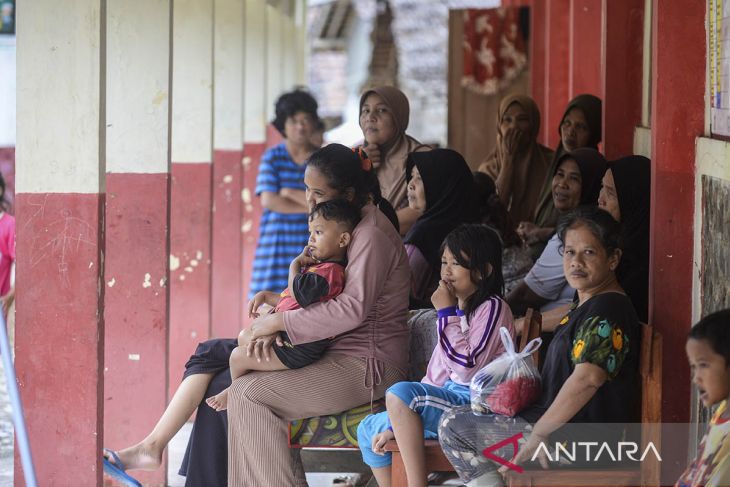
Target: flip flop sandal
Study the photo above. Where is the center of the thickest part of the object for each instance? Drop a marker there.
(117, 471)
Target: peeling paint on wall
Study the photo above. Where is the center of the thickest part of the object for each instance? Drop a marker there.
(174, 263)
(147, 281)
(111, 282)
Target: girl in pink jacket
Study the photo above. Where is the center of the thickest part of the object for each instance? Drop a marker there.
(470, 312)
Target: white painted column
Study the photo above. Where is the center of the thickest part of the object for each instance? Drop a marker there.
(192, 74)
(290, 47)
(255, 56)
(227, 265)
(228, 53)
(60, 177)
(137, 222)
(274, 59)
(192, 153)
(300, 21)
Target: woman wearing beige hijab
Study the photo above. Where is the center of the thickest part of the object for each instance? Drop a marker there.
(384, 113)
(519, 164)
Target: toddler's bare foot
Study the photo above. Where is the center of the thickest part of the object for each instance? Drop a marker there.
(138, 457)
(219, 402)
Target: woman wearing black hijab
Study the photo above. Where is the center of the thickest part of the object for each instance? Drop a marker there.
(576, 181)
(626, 195)
(441, 187)
(579, 127)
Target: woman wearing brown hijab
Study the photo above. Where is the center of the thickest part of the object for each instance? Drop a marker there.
(581, 126)
(518, 164)
(384, 113)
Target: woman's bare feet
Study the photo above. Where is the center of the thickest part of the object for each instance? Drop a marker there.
(138, 457)
(219, 402)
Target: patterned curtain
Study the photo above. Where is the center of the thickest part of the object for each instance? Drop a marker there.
(494, 49)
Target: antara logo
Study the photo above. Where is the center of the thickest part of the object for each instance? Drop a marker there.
(592, 451)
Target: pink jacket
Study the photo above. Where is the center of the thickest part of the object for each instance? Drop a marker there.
(369, 318)
(464, 348)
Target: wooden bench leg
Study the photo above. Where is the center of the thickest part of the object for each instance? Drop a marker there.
(398, 471)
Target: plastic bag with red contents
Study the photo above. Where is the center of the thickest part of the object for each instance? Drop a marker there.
(509, 383)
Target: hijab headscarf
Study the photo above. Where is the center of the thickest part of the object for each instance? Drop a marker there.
(450, 199)
(546, 214)
(531, 165)
(391, 172)
(632, 178)
(592, 166)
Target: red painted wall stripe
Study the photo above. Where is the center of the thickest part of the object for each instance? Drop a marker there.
(557, 66)
(227, 265)
(59, 341)
(678, 113)
(538, 53)
(622, 74)
(135, 310)
(251, 219)
(585, 51)
(190, 229)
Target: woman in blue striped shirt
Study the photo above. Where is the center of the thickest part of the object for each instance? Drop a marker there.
(280, 184)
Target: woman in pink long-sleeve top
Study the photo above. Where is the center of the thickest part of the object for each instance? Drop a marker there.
(369, 350)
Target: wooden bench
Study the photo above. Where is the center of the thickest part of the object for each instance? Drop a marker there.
(650, 371)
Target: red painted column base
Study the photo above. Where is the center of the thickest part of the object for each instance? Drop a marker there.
(135, 310)
(59, 341)
(190, 258)
(227, 265)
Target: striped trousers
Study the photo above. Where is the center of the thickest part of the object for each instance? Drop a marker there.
(261, 404)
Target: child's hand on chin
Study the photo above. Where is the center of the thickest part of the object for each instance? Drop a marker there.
(443, 296)
(306, 259)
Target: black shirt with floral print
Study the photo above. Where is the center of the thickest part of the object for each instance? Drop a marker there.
(603, 331)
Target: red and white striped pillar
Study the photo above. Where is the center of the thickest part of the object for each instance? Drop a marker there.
(59, 209)
(254, 136)
(192, 150)
(227, 263)
(137, 222)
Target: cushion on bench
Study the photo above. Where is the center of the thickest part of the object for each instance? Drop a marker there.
(334, 431)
